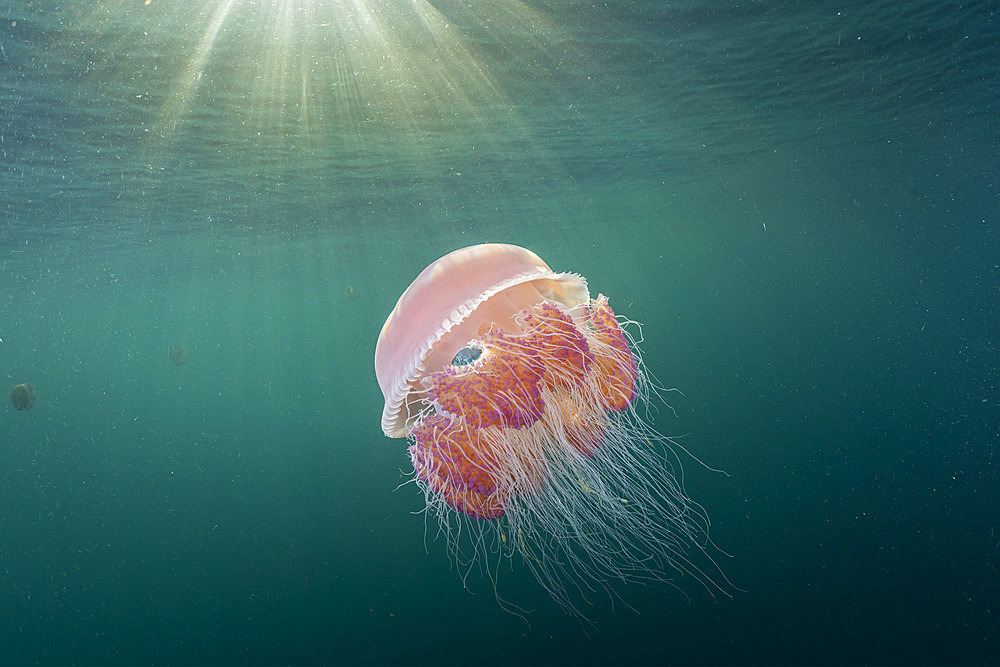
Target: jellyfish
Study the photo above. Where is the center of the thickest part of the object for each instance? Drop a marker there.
(178, 355)
(523, 401)
(23, 397)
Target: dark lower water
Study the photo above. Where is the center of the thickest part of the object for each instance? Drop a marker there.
(797, 200)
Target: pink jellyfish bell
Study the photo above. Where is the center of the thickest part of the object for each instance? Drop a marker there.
(516, 390)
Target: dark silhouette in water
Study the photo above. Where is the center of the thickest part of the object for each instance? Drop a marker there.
(178, 355)
(23, 396)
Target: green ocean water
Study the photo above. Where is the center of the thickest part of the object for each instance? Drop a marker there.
(798, 201)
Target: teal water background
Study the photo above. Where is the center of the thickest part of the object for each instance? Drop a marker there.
(799, 201)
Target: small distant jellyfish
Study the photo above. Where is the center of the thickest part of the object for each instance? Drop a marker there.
(178, 355)
(518, 395)
(23, 397)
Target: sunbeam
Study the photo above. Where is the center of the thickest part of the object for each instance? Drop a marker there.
(402, 66)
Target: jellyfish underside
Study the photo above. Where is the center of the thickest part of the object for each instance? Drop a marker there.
(554, 379)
